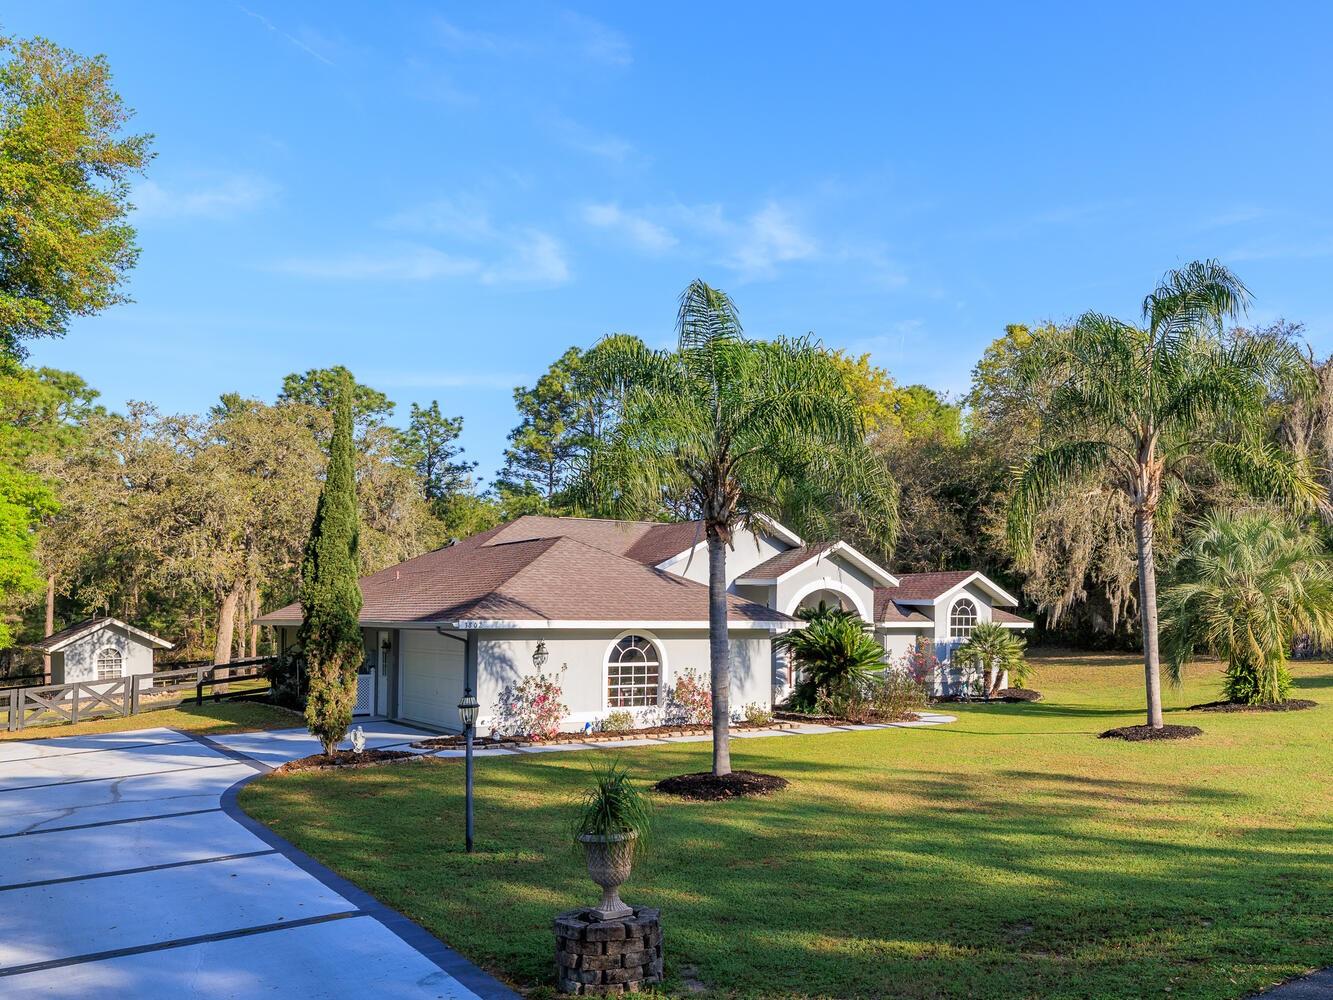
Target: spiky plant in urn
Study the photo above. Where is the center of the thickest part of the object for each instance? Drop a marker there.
(613, 823)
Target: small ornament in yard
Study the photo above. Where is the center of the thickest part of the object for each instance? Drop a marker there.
(611, 947)
(358, 740)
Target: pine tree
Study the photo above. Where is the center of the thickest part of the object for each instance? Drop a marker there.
(330, 596)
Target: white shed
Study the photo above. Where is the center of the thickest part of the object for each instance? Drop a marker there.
(100, 649)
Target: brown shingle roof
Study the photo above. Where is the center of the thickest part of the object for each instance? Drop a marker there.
(1007, 617)
(507, 574)
(775, 566)
(887, 611)
(646, 542)
(927, 586)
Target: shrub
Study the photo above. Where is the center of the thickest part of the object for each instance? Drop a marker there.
(619, 721)
(896, 695)
(531, 708)
(756, 714)
(885, 697)
(691, 701)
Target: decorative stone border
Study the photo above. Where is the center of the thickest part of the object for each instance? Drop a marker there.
(607, 957)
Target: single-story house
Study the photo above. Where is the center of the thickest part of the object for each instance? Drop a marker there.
(99, 649)
(620, 609)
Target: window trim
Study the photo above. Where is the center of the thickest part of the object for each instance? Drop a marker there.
(97, 664)
(976, 618)
(663, 671)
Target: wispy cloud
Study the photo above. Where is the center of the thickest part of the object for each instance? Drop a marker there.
(1301, 249)
(572, 35)
(600, 144)
(640, 231)
(479, 250)
(600, 42)
(767, 238)
(293, 39)
(223, 198)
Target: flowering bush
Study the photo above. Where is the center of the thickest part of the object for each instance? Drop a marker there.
(691, 700)
(920, 664)
(531, 708)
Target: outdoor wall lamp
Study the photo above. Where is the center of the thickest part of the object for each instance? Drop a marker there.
(386, 644)
(540, 655)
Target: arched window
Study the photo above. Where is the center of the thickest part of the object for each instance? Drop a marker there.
(633, 672)
(962, 619)
(109, 665)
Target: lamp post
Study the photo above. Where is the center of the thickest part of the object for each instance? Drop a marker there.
(467, 713)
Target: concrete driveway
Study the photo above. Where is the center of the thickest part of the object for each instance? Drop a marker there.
(125, 871)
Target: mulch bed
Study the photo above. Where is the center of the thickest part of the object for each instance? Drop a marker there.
(1290, 705)
(458, 743)
(343, 758)
(1137, 734)
(708, 787)
(683, 729)
(1016, 694)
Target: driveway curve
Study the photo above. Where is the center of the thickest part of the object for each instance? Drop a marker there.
(127, 871)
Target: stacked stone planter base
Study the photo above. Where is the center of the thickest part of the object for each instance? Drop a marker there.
(607, 957)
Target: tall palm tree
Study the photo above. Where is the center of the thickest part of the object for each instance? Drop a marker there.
(742, 430)
(1249, 583)
(1139, 406)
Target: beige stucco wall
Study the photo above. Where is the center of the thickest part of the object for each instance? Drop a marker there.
(505, 657)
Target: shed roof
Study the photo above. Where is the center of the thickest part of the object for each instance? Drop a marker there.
(57, 641)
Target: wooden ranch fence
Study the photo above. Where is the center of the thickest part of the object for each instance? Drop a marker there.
(48, 703)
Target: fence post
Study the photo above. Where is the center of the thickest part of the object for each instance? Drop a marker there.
(74, 706)
(15, 703)
(199, 687)
(133, 697)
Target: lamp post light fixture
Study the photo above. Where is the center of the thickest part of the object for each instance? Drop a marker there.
(540, 655)
(467, 714)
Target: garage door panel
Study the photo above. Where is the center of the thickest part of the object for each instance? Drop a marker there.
(432, 679)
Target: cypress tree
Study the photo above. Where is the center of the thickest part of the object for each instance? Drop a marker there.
(330, 596)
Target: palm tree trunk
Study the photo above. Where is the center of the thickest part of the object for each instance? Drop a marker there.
(1143, 531)
(719, 652)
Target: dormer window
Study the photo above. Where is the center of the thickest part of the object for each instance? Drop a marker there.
(962, 619)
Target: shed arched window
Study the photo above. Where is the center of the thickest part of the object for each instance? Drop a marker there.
(110, 665)
(962, 619)
(633, 673)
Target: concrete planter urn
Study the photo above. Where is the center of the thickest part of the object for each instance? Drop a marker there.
(610, 859)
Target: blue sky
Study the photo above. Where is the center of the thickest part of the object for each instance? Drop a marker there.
(445, 196)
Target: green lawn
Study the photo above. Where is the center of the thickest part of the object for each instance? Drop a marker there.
(1011, 854)
(222, 717)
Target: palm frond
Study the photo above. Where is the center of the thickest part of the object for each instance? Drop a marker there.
(1039, 481)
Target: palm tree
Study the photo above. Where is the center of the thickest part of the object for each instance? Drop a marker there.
(836, 652)
(996, 651)
(1140, 406)
(1249, 584)
(741, 430)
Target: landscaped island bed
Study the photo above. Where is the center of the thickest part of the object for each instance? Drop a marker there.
(1011, 854)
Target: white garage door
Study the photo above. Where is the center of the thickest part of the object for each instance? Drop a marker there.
(432, 679)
